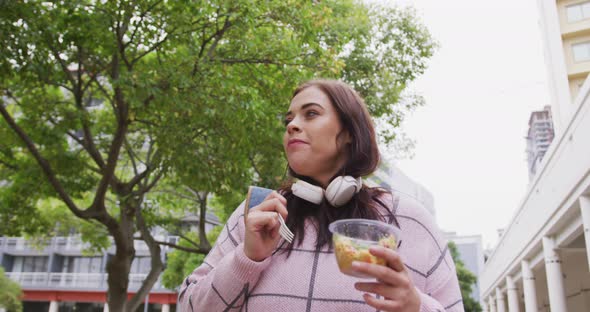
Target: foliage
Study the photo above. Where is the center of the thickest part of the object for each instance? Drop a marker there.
(10, 294)
(466, 280)
(179, 263)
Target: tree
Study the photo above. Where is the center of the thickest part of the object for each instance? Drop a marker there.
(466, 280)
(10, 294)
(106, 102)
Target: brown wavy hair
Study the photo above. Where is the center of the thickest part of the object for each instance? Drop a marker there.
(363, 159)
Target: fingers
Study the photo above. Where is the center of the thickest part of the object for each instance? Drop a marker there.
(375, 288)
(382, 304)
(392, 258)
(263, 220)
(273, 202)
(382, 273)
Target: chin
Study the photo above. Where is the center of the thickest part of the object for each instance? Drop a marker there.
(301, 168)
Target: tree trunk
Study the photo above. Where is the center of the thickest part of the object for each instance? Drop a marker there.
(119, 266)
(203, 241)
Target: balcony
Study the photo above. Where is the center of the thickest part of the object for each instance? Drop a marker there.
(66, 244)
(74, 281)
(21, 245)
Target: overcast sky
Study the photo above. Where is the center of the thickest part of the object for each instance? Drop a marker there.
(480, 88)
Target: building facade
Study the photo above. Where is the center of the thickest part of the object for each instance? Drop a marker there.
(539, 136)
(60, 274)
(541, 261)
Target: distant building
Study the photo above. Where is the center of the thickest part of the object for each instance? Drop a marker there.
(472, 254)
(391, 177)
(59, 275)
(539, 137)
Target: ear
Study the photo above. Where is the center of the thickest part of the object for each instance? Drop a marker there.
(347, 138)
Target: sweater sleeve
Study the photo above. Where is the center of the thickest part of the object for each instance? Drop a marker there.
(223, 280)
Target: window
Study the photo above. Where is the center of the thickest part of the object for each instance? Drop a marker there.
(578, 12)
(83, 264)
(30, 264)
(581, 51)
(141, 265)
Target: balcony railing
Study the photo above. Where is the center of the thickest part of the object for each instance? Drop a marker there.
(87, 281)
(66, 244)
(21, 244)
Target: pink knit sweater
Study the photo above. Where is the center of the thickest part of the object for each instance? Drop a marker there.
(309, 280)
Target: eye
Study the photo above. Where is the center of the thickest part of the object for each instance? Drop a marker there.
(311, 113)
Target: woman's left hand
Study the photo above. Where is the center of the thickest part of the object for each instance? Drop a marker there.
(393, 284)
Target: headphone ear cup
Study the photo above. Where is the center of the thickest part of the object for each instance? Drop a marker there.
(341, 190)
(311, 193)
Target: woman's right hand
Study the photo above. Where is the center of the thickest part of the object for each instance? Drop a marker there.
(262, 227)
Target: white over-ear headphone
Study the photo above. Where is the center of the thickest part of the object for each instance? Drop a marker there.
(338, 193)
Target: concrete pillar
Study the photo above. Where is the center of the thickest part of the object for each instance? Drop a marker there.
(529, 287)
(492, 304)
(500, 305)
(555, 284)
(585, 208)
(484, 307)
(513, 305)
(165, 307)
(53, 306)
(106, 307)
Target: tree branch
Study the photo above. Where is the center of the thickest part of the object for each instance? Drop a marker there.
(157, 178)
(6, 164)
(141, 17)
(188, 249)
(152, 48)
(156, 263)
(122, 111)
(131, 156)
(45, 166)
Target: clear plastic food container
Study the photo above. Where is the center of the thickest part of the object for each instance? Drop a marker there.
(353, 237)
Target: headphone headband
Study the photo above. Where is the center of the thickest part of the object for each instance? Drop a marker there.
(338, 193)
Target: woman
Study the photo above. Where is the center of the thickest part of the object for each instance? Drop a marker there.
(328, 134)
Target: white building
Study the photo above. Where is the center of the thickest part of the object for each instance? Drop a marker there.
(541, 261)
(391, 177)
(539, 137)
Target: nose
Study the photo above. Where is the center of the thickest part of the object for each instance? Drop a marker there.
(293, 127)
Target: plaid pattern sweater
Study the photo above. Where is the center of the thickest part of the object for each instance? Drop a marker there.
(309, 279)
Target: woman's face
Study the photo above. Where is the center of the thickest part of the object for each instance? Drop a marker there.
(311, 140)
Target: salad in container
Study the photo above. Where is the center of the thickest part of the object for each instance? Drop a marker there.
(352, 239)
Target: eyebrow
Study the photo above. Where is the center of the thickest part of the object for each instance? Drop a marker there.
(304, 106)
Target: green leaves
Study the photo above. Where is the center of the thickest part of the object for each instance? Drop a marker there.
(10, 294)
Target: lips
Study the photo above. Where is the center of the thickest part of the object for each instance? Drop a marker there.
(294, 142)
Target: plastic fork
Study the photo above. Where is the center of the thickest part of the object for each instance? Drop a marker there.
(284, 230)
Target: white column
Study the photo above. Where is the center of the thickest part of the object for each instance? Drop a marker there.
(492, 304)
(500, 306)
(555, 282)
(166, 308)
(529, 287)
(53, 306)
(106, 307)
(484, 307)
(513, 305)
(585, 208)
